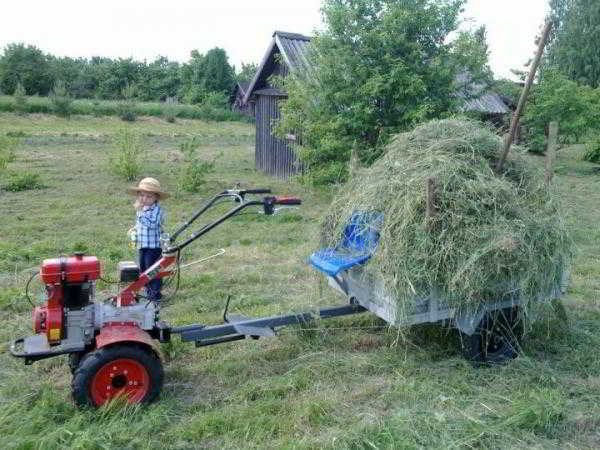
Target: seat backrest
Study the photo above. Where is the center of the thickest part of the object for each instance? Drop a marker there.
(361, 234)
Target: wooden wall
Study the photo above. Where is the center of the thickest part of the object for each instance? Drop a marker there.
(272, 155)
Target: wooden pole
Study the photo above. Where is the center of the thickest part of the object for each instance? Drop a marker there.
(430, 210)
(515, 118)
(551, 151)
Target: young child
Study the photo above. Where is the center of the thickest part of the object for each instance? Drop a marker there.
(149, 223)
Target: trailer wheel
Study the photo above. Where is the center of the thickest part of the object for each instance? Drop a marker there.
(121, 370)
(74, 360)
(496, 340)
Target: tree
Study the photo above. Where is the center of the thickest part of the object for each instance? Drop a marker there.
(219, 76)
(159, 79)
(205, 74)
(27, 65)
(117, 76)
(575, 107)
(380, 67)
(247, 72)
(470, 54)
(573, 49)
(192, 76)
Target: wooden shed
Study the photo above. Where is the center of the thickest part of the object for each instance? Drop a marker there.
(286, 53)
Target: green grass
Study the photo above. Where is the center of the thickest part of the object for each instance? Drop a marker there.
(343, 383)
(100, 108)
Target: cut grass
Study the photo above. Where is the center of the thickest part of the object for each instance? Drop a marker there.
(344, 383)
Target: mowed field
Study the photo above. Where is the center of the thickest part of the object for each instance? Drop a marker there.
(343, 383)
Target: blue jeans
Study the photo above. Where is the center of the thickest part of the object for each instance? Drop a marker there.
(147, 257)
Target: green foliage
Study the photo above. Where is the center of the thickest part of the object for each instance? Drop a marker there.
(592, 150)
(20, 99)
(170, 113)
(247, 72)
(159, 80)
(218, 74)
(508, 89)
(213, 104)
(127, 159)
(105, 78)
(99, 108)
(27, 65)
(23, 181)
(370, 81)
(7, 151)
(61, 100)
(205, 74)
(194, 170)
(470, 54)
(127, 107)
(575, 107)
(573, 50)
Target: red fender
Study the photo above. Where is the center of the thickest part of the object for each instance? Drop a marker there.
(125, 332)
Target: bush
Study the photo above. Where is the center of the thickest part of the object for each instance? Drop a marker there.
(61, 100)
(20, 100)
(592, 150)
(193, 172)
(96, 108)
(23, 181)
(126, 160)
(127, 108)
(169, 112)
(7, 151)
(575, 107)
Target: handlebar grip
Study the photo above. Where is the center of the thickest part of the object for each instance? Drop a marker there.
(257, 191)
(287, 201)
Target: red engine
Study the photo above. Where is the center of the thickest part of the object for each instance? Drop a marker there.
(70, 283)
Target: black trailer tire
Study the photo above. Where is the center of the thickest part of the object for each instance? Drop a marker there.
(74, 360)
(496, 340)
(114, 371)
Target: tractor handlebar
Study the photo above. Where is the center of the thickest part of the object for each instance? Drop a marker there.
(257, 191)
(268, 203)
(287, 201)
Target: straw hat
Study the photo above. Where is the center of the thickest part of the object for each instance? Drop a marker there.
(149, 185)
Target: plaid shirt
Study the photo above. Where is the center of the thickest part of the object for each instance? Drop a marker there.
(149, 226)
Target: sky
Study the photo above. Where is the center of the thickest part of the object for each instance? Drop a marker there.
(145, 29)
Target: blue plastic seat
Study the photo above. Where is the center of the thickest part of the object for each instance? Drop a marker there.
(359, 240)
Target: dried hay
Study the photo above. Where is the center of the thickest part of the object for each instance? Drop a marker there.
(490, 235)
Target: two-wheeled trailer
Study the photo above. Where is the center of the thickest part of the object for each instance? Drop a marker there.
(113, 344)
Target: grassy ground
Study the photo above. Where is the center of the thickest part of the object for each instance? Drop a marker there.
(98, 108)
(346, 383)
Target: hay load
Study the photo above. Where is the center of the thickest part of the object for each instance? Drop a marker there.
(485, 236)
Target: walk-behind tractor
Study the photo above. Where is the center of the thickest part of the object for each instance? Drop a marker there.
(113, 344)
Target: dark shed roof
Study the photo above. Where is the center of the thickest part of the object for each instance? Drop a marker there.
(292, 47)
(485, 101)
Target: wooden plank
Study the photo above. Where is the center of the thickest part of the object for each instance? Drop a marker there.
(515, 118)
(551, 152)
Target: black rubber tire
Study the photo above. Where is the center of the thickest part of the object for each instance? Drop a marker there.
(496, 340)
(74, 360)
(94, 361)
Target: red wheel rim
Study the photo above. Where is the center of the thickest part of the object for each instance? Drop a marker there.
(120, 377)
